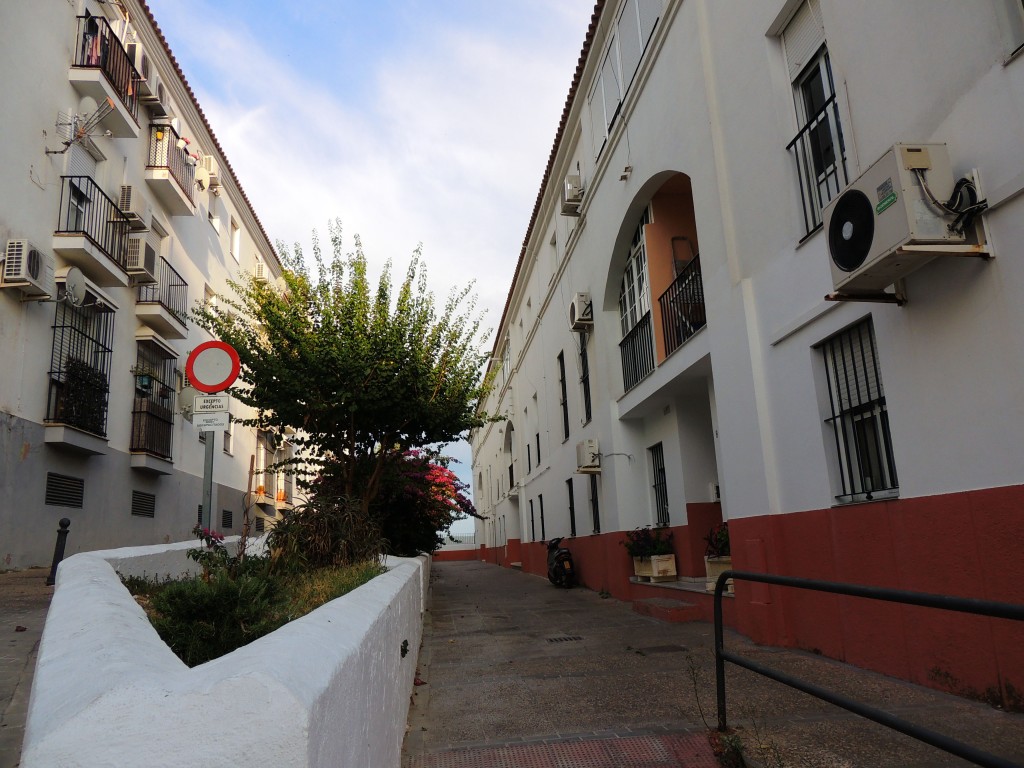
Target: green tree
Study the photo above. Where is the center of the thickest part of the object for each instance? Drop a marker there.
(364, 375)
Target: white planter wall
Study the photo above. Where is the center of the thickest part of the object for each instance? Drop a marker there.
(329, 689)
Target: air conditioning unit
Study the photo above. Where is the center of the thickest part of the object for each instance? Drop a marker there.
(140, 61)
(141, 262)
(875, 225)
(134, 206)
(581, 312)
(156, 98)
(572, 195)
(211, 166)
(28, 268)
(588, 457)
(261, 273)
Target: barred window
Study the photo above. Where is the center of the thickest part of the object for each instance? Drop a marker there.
(859, 417)
(572, 507)
(80, 367)
(660, 484)
(563, 395)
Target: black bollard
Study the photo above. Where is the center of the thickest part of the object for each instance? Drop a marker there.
(58, 550)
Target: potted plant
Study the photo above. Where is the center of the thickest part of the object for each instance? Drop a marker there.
(717, 555)
(652, 553)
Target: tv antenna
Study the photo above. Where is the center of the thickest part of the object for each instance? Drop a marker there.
(78, 128)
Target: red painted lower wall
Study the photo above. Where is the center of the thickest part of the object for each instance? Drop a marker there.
(968, 544)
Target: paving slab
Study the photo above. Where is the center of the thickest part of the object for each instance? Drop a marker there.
(24, 600)
(515, 672)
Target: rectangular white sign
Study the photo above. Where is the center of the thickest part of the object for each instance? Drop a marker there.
(211, 404)
(208, 422)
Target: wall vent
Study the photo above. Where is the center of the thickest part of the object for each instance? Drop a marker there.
(143, 504)
(227, 518)
(64, 491)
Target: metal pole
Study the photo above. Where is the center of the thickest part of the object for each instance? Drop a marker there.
(208, 481)
(58, 550)
(719, 649)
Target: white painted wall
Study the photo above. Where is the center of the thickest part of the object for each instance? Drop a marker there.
(328, 689)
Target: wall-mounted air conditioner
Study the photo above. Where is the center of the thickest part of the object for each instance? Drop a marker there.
(141, 262)
(581, 312)
(156, 99)
(212, 168)
(134, 206)
(588, 457)
(572, 195)
(877, 226)
(28, 268)
(140, 61)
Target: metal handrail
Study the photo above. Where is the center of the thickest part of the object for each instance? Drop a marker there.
(927, 600)
(85, 209)
(170, 291)
(682, 307)
(637, 350)
(99, 48)
(833, 178)
(165, 153)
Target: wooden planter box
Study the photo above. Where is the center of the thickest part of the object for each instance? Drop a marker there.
(715, 567)
(655, 568)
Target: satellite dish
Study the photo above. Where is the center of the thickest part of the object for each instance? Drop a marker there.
(87, 105)
(202, 177)
(74, 287)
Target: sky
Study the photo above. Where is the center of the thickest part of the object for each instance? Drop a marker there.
(413, 122)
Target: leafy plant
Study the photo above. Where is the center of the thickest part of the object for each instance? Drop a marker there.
(718, 541)
(327, 531)
(648, 542)
(84, 397)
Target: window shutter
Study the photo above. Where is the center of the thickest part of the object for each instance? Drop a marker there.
(650, 12)
(80, 162)
(630, 45)
(803, 36)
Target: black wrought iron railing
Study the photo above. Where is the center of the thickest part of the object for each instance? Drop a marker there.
(98, 48)
(86, 210)
(682, 307)
(153, 402)
(943, 602)
(170, 291)
(164, 152)
(637, 350)
(80, 367)
(820, 157)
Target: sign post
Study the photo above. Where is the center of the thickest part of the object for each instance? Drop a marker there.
(211, 367)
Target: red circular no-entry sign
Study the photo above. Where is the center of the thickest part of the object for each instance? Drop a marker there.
(213, 366)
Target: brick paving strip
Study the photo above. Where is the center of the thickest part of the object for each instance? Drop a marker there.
(517, 673)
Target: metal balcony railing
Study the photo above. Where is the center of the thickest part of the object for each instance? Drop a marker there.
(170, 291)
(820, 162)
(98, 48)
(682, 307)
(637, 350)
(153, 404)
(164, 153)
(86, 210)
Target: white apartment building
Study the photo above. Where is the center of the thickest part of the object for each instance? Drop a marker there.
(737, 300)
(118, 212)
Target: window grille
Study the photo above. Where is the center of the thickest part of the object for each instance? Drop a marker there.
(80, 367)
(595, 508)
(143, 504)
(533, 524)
(154, 400)
(537, 439)
(540, 502)
(585, 377)
(563, 392)
(572, 507)
(64, 490)
(660, 484)
(859, 417)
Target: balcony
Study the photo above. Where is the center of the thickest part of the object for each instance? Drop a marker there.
(153, 408)
(92, 232)
(637, 350)
(103, 71)
(682, 307)
(168, 172)
(163, 306)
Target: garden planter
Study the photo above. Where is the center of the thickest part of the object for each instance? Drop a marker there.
(655, 568)
(715, 567)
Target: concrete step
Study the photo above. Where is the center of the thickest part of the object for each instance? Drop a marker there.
(662, 608)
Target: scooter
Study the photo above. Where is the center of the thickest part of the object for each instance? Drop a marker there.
(561, 570)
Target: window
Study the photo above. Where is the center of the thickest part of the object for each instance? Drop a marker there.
(540, 502)
(625, 49)
(214, 221)
(818, 148)
(1011, 19)
(595, 509)
(533, 524)
(80, 367)
(506, 361)
(529, 457)
(236, 239)
(859, 419)
(538, 449)
(153, 404)
(585, 377)
(637, 345)
(229, 432)
(266, 448)
(563, 395)
(572, 507)
(660, 484)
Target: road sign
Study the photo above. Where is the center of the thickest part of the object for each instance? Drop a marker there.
(210, 404)
(208, 422)
(213, 366)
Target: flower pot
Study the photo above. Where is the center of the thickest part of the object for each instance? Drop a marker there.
(642, 567)
(655, 568)
(715, 567)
